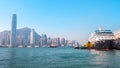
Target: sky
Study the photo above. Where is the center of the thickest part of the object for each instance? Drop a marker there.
(71, 19)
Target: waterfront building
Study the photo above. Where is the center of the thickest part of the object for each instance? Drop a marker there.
(58, 42)
(63, 42)
(101, 34)
(32, 37)
(37, 38)
(54, 42)
(69, 43)
(49, 41)
(13, 31)
(40, 42)
(5, 38)
(117, 34)
(23, 36)
(19, 40)
(44, 40)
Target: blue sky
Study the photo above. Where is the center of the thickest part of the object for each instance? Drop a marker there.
(72, 19)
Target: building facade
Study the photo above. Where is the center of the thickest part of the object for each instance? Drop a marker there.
(13, 31)
(117, 34)
(32, 37)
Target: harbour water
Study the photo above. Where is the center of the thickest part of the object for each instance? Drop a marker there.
(58, 58)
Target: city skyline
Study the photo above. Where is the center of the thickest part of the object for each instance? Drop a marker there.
(62, 18)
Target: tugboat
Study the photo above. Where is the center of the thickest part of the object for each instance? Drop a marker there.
(88, 45)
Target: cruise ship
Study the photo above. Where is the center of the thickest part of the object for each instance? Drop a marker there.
(102, 39)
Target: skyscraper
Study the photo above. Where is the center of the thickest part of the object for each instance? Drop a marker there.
(44, 40)
(63, 42)
(32, 37)
(13, 31)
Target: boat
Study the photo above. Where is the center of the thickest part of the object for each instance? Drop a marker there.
(36, 46)
(52, 46)
(104, 45)
(102, 39)
(29, 46)
(76, 47)
(20, 46)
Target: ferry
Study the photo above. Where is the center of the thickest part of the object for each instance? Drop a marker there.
(76, 47)
(36, 46)
(29, 46)
(52, 46)
(20, 46)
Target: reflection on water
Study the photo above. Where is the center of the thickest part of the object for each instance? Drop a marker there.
(107, 59)
(58, 58)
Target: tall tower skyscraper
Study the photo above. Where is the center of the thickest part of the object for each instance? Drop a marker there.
(32, 37)
(13, 31)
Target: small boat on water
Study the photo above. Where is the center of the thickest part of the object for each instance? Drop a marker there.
(36, 46)
(29, 46)
(76, 47)
(52, 46)
(20, 46)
